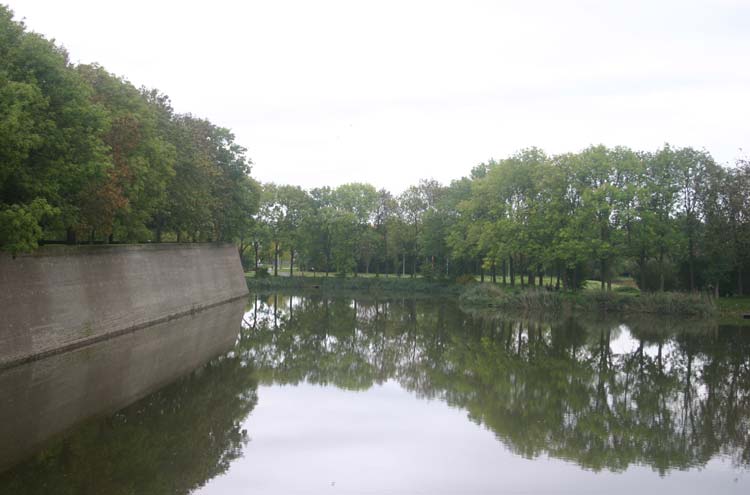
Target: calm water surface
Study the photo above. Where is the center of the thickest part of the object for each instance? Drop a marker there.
(335, 395)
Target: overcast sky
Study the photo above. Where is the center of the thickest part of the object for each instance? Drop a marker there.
(324, 93)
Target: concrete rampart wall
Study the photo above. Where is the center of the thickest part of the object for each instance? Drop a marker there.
(62, 297)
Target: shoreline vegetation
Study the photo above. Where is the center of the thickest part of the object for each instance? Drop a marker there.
(489, 297)
(681, 304)
(374, 285)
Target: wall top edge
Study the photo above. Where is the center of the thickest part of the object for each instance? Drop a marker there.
(68, 249)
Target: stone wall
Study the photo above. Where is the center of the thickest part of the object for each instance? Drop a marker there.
(62, 297)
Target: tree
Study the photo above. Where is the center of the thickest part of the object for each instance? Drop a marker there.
(51, 135)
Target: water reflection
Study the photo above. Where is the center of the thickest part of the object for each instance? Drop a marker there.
(606, 395)
(171, 441)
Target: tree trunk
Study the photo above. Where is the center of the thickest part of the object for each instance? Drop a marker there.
(481, 272)
(275, 310)
(276, 259)
(504, 268)
(512, 272)
(291, 262)
(557, 283)
(256, 247)
(691, 263)
(661, 271)
(541, 278)
(70, 235)
(385, 249)
(643, 269)
(739, 281)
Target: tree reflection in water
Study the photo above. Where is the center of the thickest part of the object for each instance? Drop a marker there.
(604, 394)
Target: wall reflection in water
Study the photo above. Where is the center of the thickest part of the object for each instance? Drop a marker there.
(44, 398)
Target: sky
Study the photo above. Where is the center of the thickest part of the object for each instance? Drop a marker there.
(391, 92)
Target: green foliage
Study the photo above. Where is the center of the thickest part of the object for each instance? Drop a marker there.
(346, 284)
(663, 218)
(111, 161)
(624, 289)
(551, 302)
(262, 272)
(465, 279)
(20, 225)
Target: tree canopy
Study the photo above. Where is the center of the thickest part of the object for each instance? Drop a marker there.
(85, 155)
(672, 219)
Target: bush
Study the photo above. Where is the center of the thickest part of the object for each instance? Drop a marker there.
(19, 225)
(465, 279)
(262, 272)
(624, 289)
(537, 300)
(543, 301)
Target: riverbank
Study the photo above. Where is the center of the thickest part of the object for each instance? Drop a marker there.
(487, 295)
(377, 285)
(539, 300)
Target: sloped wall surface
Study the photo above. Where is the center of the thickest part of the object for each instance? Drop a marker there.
(62, 297)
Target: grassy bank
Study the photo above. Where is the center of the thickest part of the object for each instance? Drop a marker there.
(624, 300)
(732, 309)
(537, 300)
(359, 284)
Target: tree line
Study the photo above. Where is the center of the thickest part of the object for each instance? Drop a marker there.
(674, 219)
(86, 156)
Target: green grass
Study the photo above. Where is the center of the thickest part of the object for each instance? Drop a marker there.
(624, 298)
(732, 309)
(540, 300)
(284, 272)
(618, 284)
(363, 284)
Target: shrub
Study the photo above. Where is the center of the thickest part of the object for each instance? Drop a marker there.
(624, 289)
(465, 279)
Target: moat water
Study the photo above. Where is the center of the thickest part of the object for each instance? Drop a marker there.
(311, 394)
